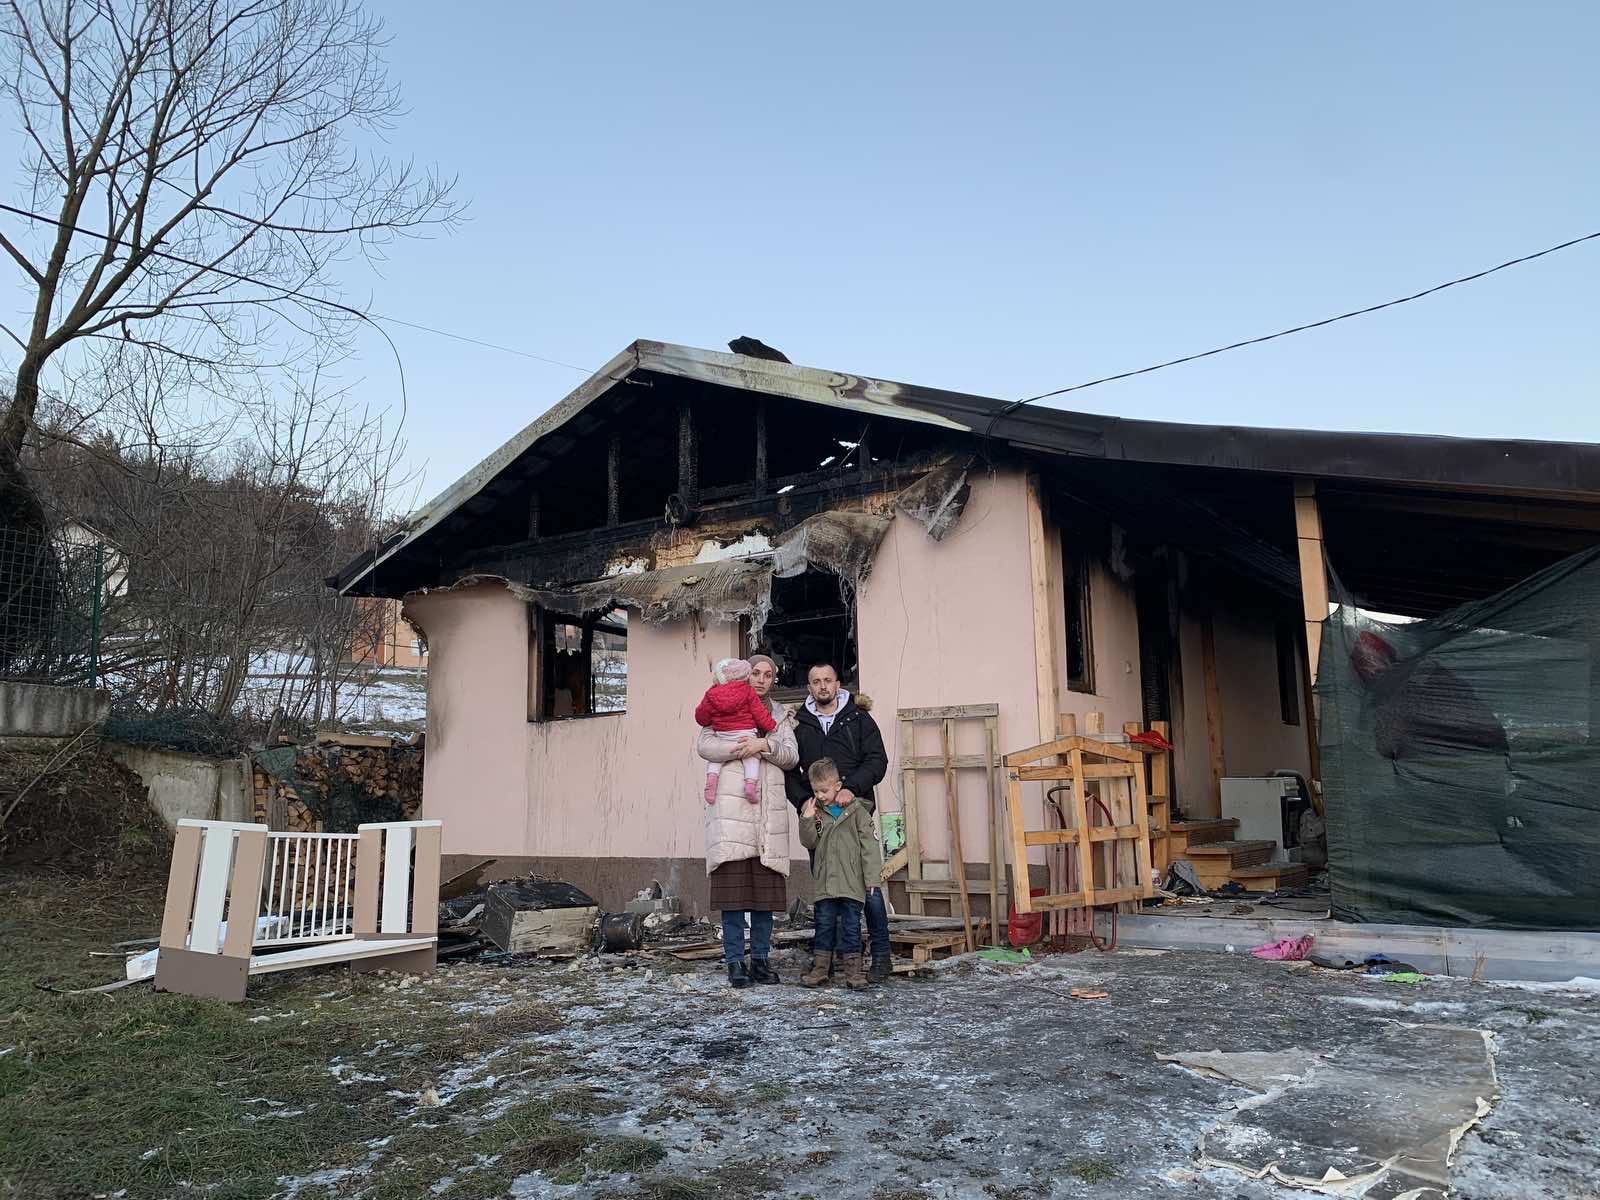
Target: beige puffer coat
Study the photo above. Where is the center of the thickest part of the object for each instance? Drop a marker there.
(737, 829)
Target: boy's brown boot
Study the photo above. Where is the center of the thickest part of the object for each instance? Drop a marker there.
(855, 975)
(818, 975)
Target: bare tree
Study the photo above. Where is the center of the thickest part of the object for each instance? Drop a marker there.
(195, 170)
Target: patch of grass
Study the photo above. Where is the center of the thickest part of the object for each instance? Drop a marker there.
(1091, 1170)
(770, 1093)
(709, 1096)
(91, 1083)
(678, 1187)
(1532, 1016)
(626, 1155)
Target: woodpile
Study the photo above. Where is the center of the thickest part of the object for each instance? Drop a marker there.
(374, 782)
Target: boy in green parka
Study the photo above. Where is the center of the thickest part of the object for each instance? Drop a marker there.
(846, 863)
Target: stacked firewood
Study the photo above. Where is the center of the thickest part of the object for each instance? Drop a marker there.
(385, 779)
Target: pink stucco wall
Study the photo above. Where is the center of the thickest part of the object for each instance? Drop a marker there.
(475, 771)
(951, 622)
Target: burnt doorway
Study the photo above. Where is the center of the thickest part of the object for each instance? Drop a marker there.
(1157, 657)
(812, 620)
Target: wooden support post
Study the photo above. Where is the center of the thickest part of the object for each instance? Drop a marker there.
(1021, 897)
(1047, 688)
(997, 857)
(614, 481)
(533, 513)
(958, 863)
(761, 445)
(1208, 657)
(908, 797)
(688, 457)
(1313, 569)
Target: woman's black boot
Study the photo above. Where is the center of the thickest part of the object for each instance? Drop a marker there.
(761, 972)
(737, 976)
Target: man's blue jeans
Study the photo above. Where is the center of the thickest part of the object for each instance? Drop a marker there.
(838, 927)
(733, 934)
(877, 923)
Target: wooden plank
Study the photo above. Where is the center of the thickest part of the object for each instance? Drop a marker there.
(425, 882)
(369, 864)
(1052, 837)
(396, 899)
(896, 862)
(1094, 724)
(1061, 745)
(908, 795)
(1090, 771)
(947, 742)
(244, 892)
(948, 887)
(211, 890)
(1046, 685)
(335, 952)
(355, 740)
(957, 711)
(932, 762)
(181, 876)
(1081, 819)
(1313, 569)
(1141, 847)
(991, 741)
(1019, 844)
(1208, 657)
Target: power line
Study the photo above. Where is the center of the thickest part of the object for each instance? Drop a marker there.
(292, 293)
(1256, 341)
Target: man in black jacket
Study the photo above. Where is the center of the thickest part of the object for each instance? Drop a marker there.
(834, 724)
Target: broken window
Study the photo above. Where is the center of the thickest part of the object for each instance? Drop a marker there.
(1080, 639)
(580, 665)
(811, 621)
(1288, 674)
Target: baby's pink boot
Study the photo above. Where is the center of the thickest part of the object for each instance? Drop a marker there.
(711, 789)
(750, 792)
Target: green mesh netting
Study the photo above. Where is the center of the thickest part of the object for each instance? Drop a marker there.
(1460, 767)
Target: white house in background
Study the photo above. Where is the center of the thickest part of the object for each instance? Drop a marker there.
(82, 539)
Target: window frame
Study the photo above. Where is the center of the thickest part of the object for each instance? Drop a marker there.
(541, 662)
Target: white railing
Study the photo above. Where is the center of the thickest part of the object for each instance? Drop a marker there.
(308, 892)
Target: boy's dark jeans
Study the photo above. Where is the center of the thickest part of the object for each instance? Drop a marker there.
(838, 927)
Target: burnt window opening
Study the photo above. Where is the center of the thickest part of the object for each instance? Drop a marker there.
(1080, 636)
(1157, 650)
(811, 621)
(580, 665)
(1288, 673)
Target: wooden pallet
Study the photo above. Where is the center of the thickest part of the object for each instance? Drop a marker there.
(1270, 877)
(925, 945)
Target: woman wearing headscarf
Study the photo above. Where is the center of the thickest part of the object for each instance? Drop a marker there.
(747, 845)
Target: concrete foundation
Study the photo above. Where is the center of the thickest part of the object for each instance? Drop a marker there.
(1485, 954)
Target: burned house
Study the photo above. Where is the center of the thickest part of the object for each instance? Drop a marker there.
(942, 549)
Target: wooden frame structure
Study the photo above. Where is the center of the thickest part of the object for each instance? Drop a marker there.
(1079, 765)
(955, 888)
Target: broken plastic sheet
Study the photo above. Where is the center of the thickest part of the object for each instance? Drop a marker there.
(1379, 1119)
(1459, 758)
(716, 591)
(937, 500)
(844, 543)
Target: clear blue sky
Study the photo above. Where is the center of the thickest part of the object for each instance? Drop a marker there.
(1008, 198)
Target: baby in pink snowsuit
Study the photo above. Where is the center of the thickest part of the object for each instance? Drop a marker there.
(733, 711)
